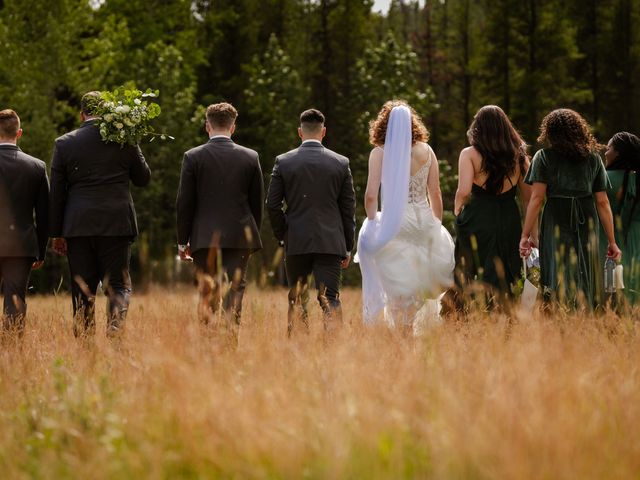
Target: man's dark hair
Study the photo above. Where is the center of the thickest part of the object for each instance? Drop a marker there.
(89, 102)
(312, 121)
(221, 115)
(9, 124)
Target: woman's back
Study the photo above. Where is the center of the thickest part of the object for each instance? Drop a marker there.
(568, 177)
(481, 176)
(488, 228)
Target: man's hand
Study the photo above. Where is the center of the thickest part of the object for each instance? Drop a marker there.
(37, 265)
(345, 262)
(59, 245)
(184, 252)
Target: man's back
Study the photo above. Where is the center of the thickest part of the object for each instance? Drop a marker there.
(90, 193)
(317, 188)
(219, 201)
(23, 188)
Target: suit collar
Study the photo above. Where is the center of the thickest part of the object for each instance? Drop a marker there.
(87, 123)
(311, 144)
(220, 139)
(10, 147)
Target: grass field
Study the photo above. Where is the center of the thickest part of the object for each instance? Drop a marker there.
(484, 398)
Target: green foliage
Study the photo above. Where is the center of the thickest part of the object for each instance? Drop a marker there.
(273, 100)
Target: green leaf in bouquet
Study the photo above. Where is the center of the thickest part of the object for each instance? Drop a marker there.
(153, 110)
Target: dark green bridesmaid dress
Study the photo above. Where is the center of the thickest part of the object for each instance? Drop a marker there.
(488, 232)
(626, 220)
(570, 263)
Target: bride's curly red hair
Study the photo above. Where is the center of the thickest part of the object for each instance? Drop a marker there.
(378, 126)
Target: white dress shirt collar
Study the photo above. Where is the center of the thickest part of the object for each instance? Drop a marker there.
(8, 143)
(312, 140)
(220, 136)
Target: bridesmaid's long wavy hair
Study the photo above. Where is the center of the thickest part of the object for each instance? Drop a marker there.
(568, 133)
(500, 145)
(378, 126)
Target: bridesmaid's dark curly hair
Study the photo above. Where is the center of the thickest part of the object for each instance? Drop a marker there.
(378, 126)
(568, 133)
(500, 145)
(628, 147)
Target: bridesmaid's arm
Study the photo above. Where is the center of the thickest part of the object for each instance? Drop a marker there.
(538, 194)
(373, 183)
(606, 219)
(525, 196)
(465, 180)
(433, 188)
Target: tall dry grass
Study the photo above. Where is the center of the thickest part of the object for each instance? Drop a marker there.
(485, 398)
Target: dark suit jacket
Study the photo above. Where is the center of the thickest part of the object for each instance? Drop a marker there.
(220, 197)
(317, 187)
(24, 188)
(90, 193)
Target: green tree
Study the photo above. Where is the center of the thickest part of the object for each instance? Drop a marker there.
(387, 70)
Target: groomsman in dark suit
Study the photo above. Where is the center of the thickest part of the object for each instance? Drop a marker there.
(24, 190)
(92, 217)
(219, 212)
(318, 224)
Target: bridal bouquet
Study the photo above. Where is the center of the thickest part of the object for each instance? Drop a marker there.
(126, 115)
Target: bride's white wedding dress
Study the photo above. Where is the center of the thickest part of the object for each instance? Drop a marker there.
(416, 266)
(406, 255)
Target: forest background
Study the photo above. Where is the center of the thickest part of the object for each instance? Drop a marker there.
(274, 58)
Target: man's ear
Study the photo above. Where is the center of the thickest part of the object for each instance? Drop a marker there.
(324, 131)
(233, 129)
(300, 132)
(19, 134)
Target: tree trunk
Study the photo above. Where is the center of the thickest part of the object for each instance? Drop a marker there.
(466, 54)
(506, 39)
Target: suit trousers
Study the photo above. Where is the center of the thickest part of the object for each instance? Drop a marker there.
(229, 264)
(93, 260)
(14, 277)
(327, 273)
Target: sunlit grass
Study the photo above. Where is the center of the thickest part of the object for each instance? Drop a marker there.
(481, 398)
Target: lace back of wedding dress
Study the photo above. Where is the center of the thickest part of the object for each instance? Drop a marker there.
(418, 183)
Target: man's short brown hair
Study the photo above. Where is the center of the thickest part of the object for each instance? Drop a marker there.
(9, 124)
(221, 115)
(312, 121)
(89, 102)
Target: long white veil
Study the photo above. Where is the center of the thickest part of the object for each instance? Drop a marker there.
(375, 234)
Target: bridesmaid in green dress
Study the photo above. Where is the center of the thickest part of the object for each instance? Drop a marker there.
(623, 163)
(488, 222)
(570, 175)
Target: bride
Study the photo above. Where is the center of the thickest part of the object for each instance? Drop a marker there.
(405, 254)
